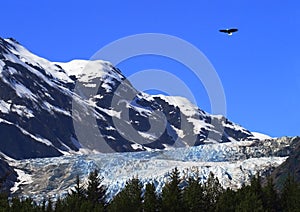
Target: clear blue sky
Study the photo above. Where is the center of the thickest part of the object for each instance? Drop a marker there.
(259, 66)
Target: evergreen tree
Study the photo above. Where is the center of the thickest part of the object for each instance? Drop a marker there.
(87, 206)
(96, 193)
(134, 190)
(172, 194)
(212, 192)
(78, 190)
(250, 202)
(59, 206)
(43, 206)
(150, 199)
(75, 198)
(49, 205)
(270, 197)
(249, 198)
(193, 195)
(72, 203)
(22, 206)
(290, 196)
(4, 205)
(129, 199)
(256, 187)
(227, 201)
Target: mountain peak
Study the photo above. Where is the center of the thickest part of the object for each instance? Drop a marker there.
(86, 71)
(37, 100)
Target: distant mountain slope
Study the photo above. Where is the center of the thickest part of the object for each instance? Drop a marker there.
(290, 166)
(42, 103)
(8, 176)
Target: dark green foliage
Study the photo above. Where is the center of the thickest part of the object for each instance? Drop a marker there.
(22, 205)
(150, 199)
(212, 192)
(96, 193)
(270, 197)
(71, 203)
(49, 205)
(78, 191)
(250, 202)
(43, 206)
(129, 199)
(227, 201)
(74, 200)
(4, 206)
(59, 206)
(90, 199)
(256, 187)
(87, 206)
(172, 194)
(290, 196)
(193, 195)
(250, 198)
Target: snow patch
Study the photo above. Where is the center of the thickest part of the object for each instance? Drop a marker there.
(110, 137)
(51, 108)
(5, 121)
(22, 91)
(2, 64)
(260, 136)
(23, 179)
(113, 113)
(136, 146)
(185, 106)
(4, 107)
(147, 135)
(22, 111)
(198, 124)
(110, 128)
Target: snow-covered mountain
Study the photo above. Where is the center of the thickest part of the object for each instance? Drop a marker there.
(51, 109)
(52, 114)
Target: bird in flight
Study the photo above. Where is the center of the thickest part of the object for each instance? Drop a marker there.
(228, 31)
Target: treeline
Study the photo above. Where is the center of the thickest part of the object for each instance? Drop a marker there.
(195, 196)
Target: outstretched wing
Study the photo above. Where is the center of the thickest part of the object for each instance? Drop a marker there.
(224, 30)
(232, 30)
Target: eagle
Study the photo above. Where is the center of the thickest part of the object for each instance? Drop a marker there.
(229, 31)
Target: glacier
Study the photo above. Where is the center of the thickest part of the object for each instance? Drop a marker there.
(233, 163)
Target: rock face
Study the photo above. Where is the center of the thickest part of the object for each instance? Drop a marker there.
(290, 166)
(7, 176)
(49, 109)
